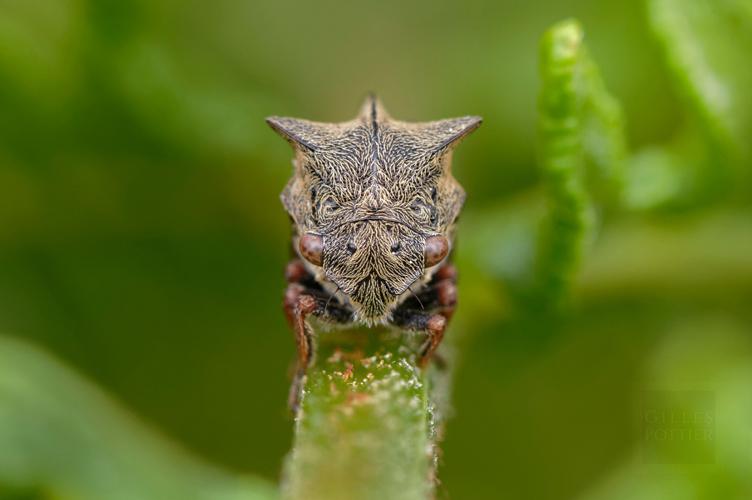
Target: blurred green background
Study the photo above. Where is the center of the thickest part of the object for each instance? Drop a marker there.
(142, 240)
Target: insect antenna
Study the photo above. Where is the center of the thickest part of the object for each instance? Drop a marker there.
(326, 306)
(416, 297)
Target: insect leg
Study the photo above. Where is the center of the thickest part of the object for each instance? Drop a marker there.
(297, 307)
(301, 301)
(430, 311)
(296, 272)
(444, 285)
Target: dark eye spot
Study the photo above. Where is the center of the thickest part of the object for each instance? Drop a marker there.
(396, 247)
(434, 194)
(422, 209)
(313, 196)
(330, 205)
(351, 248)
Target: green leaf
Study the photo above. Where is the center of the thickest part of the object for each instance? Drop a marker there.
(682, 173)
(707, 44)
(62, 438)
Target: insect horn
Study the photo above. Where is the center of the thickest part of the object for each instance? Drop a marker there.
(448, 133)
(372, 110)
(299, 133)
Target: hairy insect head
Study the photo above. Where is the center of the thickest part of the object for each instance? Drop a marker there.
(365, 198)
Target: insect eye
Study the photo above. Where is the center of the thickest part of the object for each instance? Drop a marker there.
(420, 209)
(396, 247)
(436, 248)
(329, 206)
(311, 247)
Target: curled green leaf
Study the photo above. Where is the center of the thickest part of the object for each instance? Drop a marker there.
(582, 150)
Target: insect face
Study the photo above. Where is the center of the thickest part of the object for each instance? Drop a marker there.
(373, 262)
(373, 203)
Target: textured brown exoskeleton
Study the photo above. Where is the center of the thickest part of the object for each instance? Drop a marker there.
(373, 205)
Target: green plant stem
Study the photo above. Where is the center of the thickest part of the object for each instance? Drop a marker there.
(366, 427)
